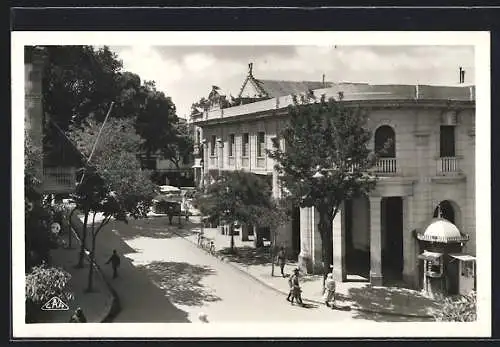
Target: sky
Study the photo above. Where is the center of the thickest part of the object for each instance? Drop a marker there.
(187, 73)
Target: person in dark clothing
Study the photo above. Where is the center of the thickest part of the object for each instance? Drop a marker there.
(115, 263)
(170, 214)
(282, 260)
(78, 317)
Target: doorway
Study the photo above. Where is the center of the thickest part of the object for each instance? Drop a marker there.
(357, 238)
(392, 238)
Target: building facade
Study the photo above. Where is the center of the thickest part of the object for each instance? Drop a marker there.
(428, 172)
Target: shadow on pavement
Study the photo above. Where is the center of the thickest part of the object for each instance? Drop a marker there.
(181, 282)
(392, 299)
(377, 317)
(155, 227)
(247, 255)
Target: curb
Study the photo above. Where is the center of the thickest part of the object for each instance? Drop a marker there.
(255, 278)
(115, 306)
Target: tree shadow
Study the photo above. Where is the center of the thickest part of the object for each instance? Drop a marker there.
(247, 255)
(156, 227)
(379, 317)
(181, 282)
(392, 299)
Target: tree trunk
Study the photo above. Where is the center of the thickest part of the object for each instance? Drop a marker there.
(83, 240)
(91, 267)
(273, 245)
(70, 229)
(231, 232)
(325, 229)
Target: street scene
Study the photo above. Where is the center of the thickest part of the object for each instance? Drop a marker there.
(249, 185)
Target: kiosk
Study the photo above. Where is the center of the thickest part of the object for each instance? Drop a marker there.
(442, 259)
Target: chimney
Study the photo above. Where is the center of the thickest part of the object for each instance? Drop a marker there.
(250, 68)
(323, 81)
(462, 75)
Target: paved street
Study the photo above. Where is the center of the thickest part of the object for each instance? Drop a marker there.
(196, 282)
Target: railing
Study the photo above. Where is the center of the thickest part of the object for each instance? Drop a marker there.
(387, 166)
(59, 179)
(245, 162)
(448, 165)
(261, 162)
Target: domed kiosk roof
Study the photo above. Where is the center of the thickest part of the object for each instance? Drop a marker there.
(442, 230)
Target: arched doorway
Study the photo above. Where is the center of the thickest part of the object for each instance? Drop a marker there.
(445, 209)
(385, 142)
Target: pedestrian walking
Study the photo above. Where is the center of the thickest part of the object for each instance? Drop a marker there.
(329, 295)
(115, 263)
(170, 214)
(281, 260)
(78, 316)
(295, 288)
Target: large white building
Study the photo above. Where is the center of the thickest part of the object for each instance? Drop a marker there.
(430, 164)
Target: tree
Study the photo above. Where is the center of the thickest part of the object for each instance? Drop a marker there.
(239, 196)
(181, 148)
(114, 183)
(80, 82)
(326, 138)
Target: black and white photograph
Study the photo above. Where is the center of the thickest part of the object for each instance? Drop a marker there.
(253, 184)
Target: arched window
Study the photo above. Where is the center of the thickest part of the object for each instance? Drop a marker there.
(385, 138)
(445, 210)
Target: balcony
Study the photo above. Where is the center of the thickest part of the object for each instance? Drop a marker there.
(448, 166)
(58, 180)
(387, 166)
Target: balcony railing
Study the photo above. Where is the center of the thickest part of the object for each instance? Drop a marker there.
(59, 179)
(448, 165)
(387, 166)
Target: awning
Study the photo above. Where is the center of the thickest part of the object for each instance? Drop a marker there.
(430, 255)
(463, 257)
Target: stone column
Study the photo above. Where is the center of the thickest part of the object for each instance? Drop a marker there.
(410, 261)
(316, 249)
(339, 246)
(305, 261)
(375, 241)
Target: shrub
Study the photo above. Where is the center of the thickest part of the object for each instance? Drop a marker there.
(458, 309)
(43, 283)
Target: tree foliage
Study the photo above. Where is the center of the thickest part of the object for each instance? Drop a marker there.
(80, 82)
(43, 283)
(328, 137)
(180, 150)
(238, 196)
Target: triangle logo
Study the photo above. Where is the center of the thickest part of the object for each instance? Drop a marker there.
(55, 304)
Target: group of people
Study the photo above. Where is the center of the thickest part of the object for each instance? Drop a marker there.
(293, 282)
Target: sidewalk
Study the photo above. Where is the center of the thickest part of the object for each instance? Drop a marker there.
(95, 305)
(358, 295)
